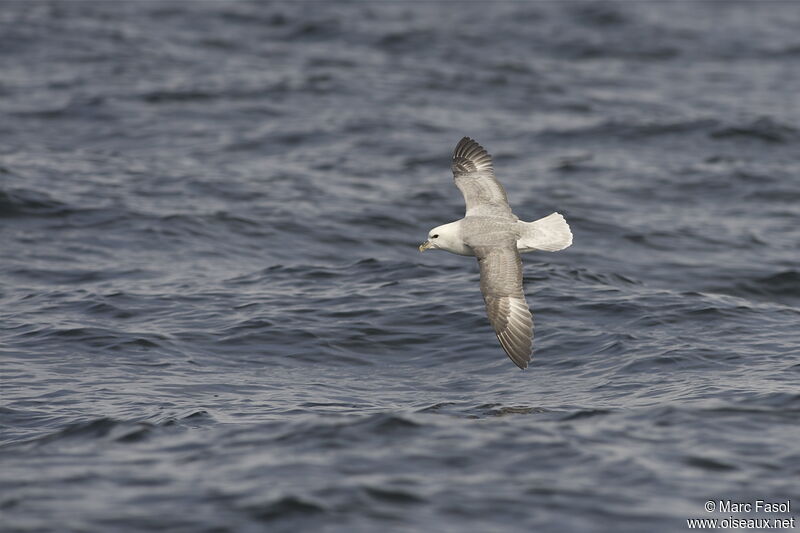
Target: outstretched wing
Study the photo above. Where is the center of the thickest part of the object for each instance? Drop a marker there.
(501, 285)
(474, 177)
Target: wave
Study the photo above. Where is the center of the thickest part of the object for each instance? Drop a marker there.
(780, 287)
(24, 203)
(631, 129)
(103, 428)
(764, 128)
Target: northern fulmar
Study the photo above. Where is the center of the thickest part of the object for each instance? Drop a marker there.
(491, 232)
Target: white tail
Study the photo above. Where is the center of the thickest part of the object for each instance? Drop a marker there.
(549, 234)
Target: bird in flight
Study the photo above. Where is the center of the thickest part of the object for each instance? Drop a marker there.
(491, 232)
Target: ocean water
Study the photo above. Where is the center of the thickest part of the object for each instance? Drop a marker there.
(213, 313)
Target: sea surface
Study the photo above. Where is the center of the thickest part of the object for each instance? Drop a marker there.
(213, 313)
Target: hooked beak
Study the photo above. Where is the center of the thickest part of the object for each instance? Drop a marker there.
(425, 245)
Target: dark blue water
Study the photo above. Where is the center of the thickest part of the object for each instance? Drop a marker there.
(213, 314)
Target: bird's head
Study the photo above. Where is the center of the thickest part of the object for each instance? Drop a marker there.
(445, 237)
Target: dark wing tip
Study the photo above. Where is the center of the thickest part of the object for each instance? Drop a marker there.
(517, 350)
(469, 156)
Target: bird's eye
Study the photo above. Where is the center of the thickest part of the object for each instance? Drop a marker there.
(435, 237)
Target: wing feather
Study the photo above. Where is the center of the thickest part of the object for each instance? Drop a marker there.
(501, 285)
(474, 176)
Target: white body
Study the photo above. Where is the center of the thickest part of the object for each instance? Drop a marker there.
(549, 234)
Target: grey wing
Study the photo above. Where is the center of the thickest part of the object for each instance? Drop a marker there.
(474, 177)
(501, 285)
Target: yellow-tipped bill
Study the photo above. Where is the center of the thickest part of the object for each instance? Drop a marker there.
(425, 245)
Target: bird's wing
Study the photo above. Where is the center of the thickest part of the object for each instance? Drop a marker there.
(474, 177)
(501, 285)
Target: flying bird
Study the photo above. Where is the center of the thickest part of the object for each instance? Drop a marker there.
(491, 232)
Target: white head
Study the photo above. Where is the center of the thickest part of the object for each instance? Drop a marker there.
(447, 238)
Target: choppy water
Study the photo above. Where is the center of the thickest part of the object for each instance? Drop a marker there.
(214, 316)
